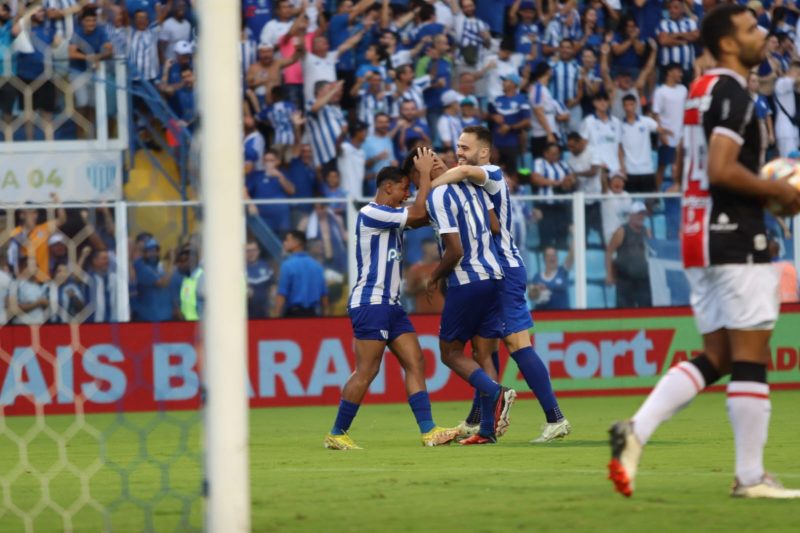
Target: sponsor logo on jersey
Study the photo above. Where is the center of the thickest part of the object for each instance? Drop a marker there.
(723, 224)
(394, 255)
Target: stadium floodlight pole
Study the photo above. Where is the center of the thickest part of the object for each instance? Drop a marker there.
(224, 323)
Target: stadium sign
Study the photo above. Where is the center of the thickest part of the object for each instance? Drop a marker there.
(144, 367)
(74, 176)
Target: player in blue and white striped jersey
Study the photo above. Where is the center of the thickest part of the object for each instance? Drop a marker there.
(473, 151)
(376, 314)
(463, 216)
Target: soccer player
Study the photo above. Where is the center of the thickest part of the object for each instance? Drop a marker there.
(470, 267)
(474, 149)
(375, 311)
(734, 290)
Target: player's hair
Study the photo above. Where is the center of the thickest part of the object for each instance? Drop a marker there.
(389, 174)
(88, 11)
(298, 235)
(628, 98)
(717, 24)
(481, 132)
(672, 66)
(575, 136)
(540, 70)
(426, 12)
(408, 163)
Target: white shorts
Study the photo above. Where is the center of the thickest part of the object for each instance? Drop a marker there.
(742, 296)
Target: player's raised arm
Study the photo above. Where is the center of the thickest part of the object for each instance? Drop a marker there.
(475, 174)
(423, 162)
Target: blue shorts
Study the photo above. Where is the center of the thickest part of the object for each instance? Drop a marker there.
(666, 155)
(514, 308)
(381, 322)
(472, 309)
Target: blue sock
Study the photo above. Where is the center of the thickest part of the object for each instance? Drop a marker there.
(420, 404)
(347, 412)
(489, 389)
(535, 373)
(474, 416)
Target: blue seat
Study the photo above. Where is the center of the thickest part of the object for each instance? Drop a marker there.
(595, 265)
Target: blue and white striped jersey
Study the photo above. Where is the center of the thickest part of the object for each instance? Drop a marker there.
(248, 54)
(496, 186)
(683, 54)
(564, 82)
(379, 252)
(143, 54)
(553, 171)
(369, 105)
(413, 94)
(279, 115)
(464, 209)
(324, 127)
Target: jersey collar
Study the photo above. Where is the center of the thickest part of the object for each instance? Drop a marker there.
(728, 72)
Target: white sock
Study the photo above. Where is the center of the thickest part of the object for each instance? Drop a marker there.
(674, 391)
(749, 408)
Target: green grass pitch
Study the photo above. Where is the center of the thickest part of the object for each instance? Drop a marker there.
(395, 484)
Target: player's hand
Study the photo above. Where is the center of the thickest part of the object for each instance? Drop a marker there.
(424, 161)
(788, 197)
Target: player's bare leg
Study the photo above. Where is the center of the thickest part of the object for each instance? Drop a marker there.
(674, 391)
(368, 361)
(409, 353)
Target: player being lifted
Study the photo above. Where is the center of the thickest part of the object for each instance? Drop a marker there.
(474, 149)
(734, 291)
(470, 268)
(376, 314)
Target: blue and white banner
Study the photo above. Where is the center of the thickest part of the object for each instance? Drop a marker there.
(74, 176)
(668, 283)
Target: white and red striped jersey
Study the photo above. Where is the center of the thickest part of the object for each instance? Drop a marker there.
(720, 226)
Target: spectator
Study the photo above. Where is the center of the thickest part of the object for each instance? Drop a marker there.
(58, 252)
(583, 163)
(623, 83)
(264, 76)
(343, 26)
(626, 261)
(763, 113)
(173, 30)
(260, 280)
(352, 163)
(153, 303)
(298, 36)
(564, 83)
(88, 46)
(472, 36)
(417, 279)
(185, 263)
(470, 112)
(30, 239)
(286, 122)
(6, 281)
(67, 296)
(101, 288)
(590, 80)
(143, 53)
(616, 206)
(647, 16)
(544, 110)
(449, 126)
(553, 176)
(301, 286)
(62, 16)
(31, 69)
(278, 26)
(255, 15)
(549, 290)
(254, 148)
(193, 293)
(410, 128)
(372, 100)
(326, 123)
(786, 110)
(637, 162)
(527, 32)
(511, 116)
(320, 64)
(593, 35)
(273, 186)
(410, 89)
(171, 73)
(378, 148)
(326, 226)
(28, 295)
(677, 35)
(152, 8)
(438, 65)
(332, 188)
(303, 175)
(497, 66)
(566, 24)
(629, 47)
(185, 98)
(604, 133)
(669, 101)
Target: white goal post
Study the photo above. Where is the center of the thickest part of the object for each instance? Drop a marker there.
(224, 331)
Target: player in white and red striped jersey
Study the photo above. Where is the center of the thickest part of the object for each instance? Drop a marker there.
(734, 290)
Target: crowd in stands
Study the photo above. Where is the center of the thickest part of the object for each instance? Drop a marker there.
(580, 96)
